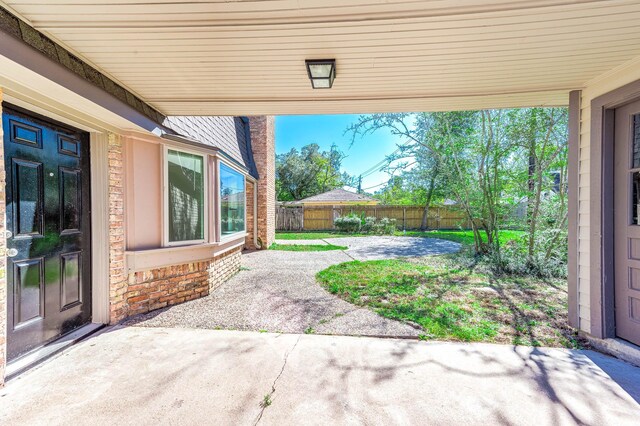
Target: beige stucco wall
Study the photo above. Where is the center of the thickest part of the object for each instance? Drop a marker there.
(603, 84)
(144, 194)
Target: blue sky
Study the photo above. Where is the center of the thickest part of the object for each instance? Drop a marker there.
(295, 131)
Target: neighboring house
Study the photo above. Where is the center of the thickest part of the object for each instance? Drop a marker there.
(114, 208)
(337, 197)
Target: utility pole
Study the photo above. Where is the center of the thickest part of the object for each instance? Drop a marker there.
(360, 184)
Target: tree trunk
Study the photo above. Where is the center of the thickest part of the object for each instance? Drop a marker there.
(432, 185)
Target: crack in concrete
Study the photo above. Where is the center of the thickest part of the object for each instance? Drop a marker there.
(273, 385)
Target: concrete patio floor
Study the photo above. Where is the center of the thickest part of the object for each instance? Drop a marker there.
(136, 375)
(277, 292)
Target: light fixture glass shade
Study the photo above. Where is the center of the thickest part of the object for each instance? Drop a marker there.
(320, 83)
(321, 72)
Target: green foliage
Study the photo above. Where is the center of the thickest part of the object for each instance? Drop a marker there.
(354, 224)
(406, 189)
(385, 226)
(368, 224)
(350, 224)
(503, 168)
(463, 236)
(266, 401)
(308, 172)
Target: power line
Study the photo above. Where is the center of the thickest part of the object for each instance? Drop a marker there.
(376, 167)
(374, 186)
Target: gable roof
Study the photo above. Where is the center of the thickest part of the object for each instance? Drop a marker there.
(337, 196)
(228, 134)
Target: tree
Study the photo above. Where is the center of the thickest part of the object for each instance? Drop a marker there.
(424, 137)
(488, 161)
(542, 133)
(304, 173)
(404, 189)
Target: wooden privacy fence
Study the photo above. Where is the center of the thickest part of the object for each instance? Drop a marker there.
(321, 218)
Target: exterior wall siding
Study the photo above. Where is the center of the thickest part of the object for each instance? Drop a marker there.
(143, 194)
(604, 84)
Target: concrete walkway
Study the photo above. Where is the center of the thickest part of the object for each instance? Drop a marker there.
(277, 292)
(148, 376)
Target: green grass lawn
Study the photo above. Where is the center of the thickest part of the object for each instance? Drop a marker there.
(451, 302)
(306, 247)
(308, 235)
(464, 237)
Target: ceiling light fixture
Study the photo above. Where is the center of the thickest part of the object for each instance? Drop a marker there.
(321, 72)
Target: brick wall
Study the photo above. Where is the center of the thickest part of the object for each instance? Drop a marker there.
(3, 274)
(264, 154)
(249, 241)
(158, 288)
(223, 267)
(117, 272)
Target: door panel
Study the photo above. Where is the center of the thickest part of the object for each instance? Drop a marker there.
(48, 218)
(70, 200)
(71, 290)
(627, 222)
(29, 288)
(27, 187)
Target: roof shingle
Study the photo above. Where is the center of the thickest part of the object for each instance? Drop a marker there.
(229, 134)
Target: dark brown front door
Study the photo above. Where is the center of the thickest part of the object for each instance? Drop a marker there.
(48, 224)
(627, 222)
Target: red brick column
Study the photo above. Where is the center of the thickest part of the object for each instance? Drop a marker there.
(264, 154)
(117, 273)
(250, 191)
(3, 245)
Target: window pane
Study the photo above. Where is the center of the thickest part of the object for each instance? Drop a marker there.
(635, 201)
(231, 200)
(186, 196)
(636, 141)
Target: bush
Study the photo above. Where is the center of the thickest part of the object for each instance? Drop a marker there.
(370, 225)
(513, 259)
(387, 226)
(349, 224)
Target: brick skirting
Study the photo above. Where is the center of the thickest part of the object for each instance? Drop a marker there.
(158, 288)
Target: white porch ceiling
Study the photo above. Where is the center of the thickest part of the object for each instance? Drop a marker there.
(247, 56)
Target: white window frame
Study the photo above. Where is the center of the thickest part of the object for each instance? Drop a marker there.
(219, 209)
(165, 197)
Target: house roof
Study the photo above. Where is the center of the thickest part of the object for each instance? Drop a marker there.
(228, 134)
(337, 196)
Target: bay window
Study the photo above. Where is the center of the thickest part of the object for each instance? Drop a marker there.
(232, 201)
